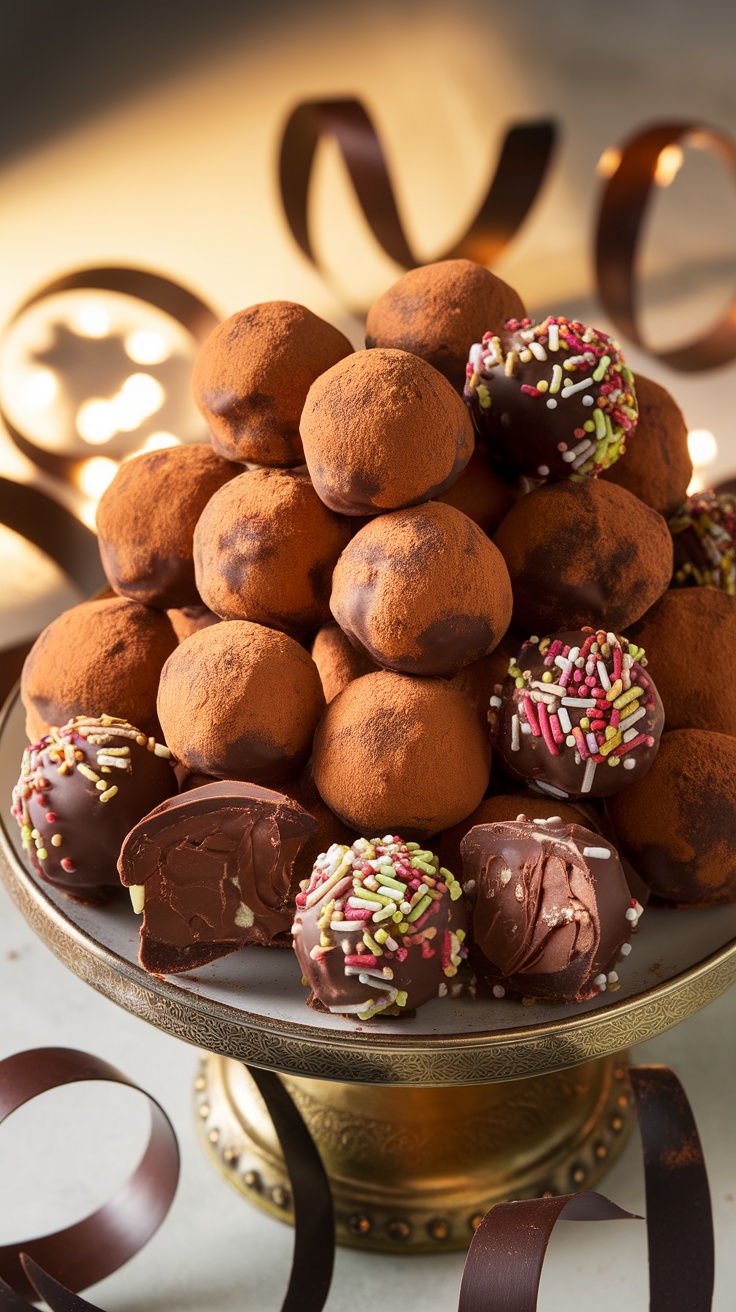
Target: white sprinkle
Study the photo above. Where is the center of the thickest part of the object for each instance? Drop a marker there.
(628, 763)
(579, 702)
(632, 914)
(377, 972)
(603, 675)
(387, 838)
(601, 981)
(442, 990)
(570, 388)
(625, 949)
(391, 944)
(537, 350)
(631, 719)
(588, 400)
(548, 788)
(556, 382)
(553, 335)
(597, 853)
(564, 719)
(553, 689)
(587, 783)
(570, 740)
(572, 655)
(515, 739)
(612, 977)
(631, 734)
(543, 470)
(563, 662)
(475, 355)
(499, 991)
(552, 405)
(368, 977)
(526, 727)
(495, 701)
(567, 456)
(552, 820)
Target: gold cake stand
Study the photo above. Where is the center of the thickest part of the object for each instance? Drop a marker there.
(422, 1123)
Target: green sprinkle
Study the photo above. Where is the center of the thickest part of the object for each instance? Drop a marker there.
(455, 891)
(41, 853)
(371, 943)
(388, 881)
(419, 909)
(401, 998)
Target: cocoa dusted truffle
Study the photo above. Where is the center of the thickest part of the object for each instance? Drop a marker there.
(677, 824)
(252, 376)
(578, 714)
(423, 590)
(395, 747)
(186, 620)
(81, 789)
(338, 661)
(551, 400)
(383, 430)
(480, 493)
(103, 657)
(265, 548)
(704, 537)
(657, 467)
(690, 640)
(550, 909)
(439, 310)
(212, 872)
(587, 553)
(330, 828)
(379, 928)
(240, 701)
(146, 521)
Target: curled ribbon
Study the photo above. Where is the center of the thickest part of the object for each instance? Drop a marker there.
(522, 167)
(622, 210)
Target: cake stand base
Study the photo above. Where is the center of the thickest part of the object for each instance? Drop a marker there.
(414, 1169)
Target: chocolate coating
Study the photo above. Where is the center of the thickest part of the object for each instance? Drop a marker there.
(480, 493)
(704, 538)
(213, 869)
(423, 591)
(362, 961)
(677, 824)
(252, 376)
(548, 909)
(146, 521)
(240, 701)
(396, 752)
(690, 639)
(587, 553)
(72, 828)
(383, 430)
(551, 400)
(338, 661)
(657, 467)
(504, 807)
(265, 548)
(102, 657)
(330, 828)
(439, 310)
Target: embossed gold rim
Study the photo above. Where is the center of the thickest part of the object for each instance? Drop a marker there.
(299, 1049)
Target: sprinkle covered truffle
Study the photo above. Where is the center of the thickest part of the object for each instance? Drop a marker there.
(704, 536)
(379, 928)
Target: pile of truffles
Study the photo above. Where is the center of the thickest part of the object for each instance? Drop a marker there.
(404, 589)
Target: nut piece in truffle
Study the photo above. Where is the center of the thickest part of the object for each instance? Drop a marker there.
(81, 789)
(383, 430)
(657, 467)
(103, 657)
(550, 909)
(551, 400)
(439, 310)
(704, 537)
(423, 590)
(252, 376)
(586, 553)
(379, 928)
(578, 714)
(146, 521)
(239, 701)
(677, 824)
(395, 746)
(265, 548)
(211, 871)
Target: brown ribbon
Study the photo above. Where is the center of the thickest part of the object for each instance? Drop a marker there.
(622, 210)
(522, 167)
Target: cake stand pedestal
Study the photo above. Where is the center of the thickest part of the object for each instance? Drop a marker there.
(422, 1122)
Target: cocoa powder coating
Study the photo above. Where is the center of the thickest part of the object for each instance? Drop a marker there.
(381, 430)
(584, 553)
(439, 311)
(240, 701)
(265, 548)
(656, 466)
(338, 661)
(480, 494)
(396, 754)
(100, 658)
(677, 823)
(252, 376)
(423, 590)
(146, 521)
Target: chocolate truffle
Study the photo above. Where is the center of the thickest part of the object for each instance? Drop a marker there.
(550, 909)
(338, 661)
(81, 789)
(240, 701)
(252, 376)
(704, 538)
(578, 715)
(423, 590)
(330, 828)
(186, 620)
(657, 467)
(379, 928)
(677, 824)
(551, 400)
(383, 430)
(587, 553)
(103, 657)
(509, 806)
(393, 747)
(265, 548)
(480, 493)
(439, 310)
(212, 872)
(690, 640)
(146, 521)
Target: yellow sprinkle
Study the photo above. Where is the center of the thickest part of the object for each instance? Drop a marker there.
(105, 797)
(612, 743)
(56, 840)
